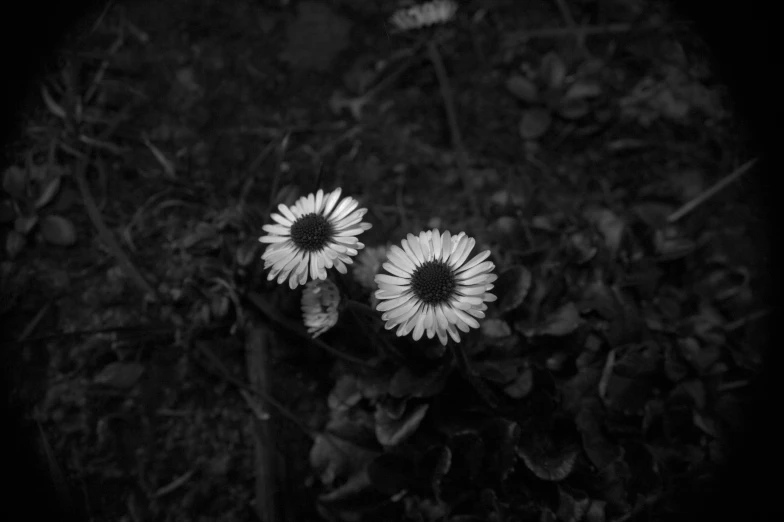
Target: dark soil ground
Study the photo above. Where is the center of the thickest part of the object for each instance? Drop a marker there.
(612, 377)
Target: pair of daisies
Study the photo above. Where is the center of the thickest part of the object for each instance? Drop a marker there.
(432, 287)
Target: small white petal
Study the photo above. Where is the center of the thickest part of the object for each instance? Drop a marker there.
(420, 327)
(457, 261)
(319, 201)
(346, 240)
(424, 242)
(330, 201)
(470, 321)
(399, 257)
(436, 245)
(273, 239)
(410, 253)
(288, 214)
(480, 269)
(385, 306)
(475, 261)
(393, 288)
(392, 280)
(413, 242)
(394, 270)
(349, 232)
(279, 230)
(281, 220)
(446, 245)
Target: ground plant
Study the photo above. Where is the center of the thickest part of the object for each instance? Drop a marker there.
(346, 260)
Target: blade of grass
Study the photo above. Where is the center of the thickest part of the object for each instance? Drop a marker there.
(712, 191)
(451, 115)
(106, 235)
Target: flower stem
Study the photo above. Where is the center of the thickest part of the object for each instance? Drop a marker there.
(451, 115)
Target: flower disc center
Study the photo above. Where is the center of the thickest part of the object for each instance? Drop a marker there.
(311, 232)
(433, 282)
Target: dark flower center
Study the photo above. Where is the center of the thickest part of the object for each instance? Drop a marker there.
(311, 232)
(433, 282)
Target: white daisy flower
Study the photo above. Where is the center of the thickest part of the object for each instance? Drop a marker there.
(368, 264)
(432, 288)
(316, 233)
(422, 15)
(320, 301)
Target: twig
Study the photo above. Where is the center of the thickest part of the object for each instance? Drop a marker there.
(712, 191)
(391, 77)
(293, 327)
(174, 484)
(34, 322)
(560, 32)
(257, 344)
(449, 105)
(743, 321)
(106, 235)
(55, 472)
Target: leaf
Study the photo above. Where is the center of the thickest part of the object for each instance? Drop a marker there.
(600, 451)
(563, 321)
(534, 123)
(628, 395)
(583, 89)
(608, 224)
(15, 182)
(7, 212)
(58, 230)
(495, 328)
(553, 70)
(500, 371)
(595, 511)
(579, 387)
(512, 287)
(55, 108)
(119, 374)
(391, 432)
(573, 109)
(670, 246)
(552, 468)
(344, 394)
(334, 457)
(391, 473)
(14, 243)
(24, 224)
(49, 190)
(356, 483)
(316, 37)
(702, 358)
(522, 385)
(407, 383)
(435, 464)
(247, 252)
(569, 508)
(522, 88)
(502, 436)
